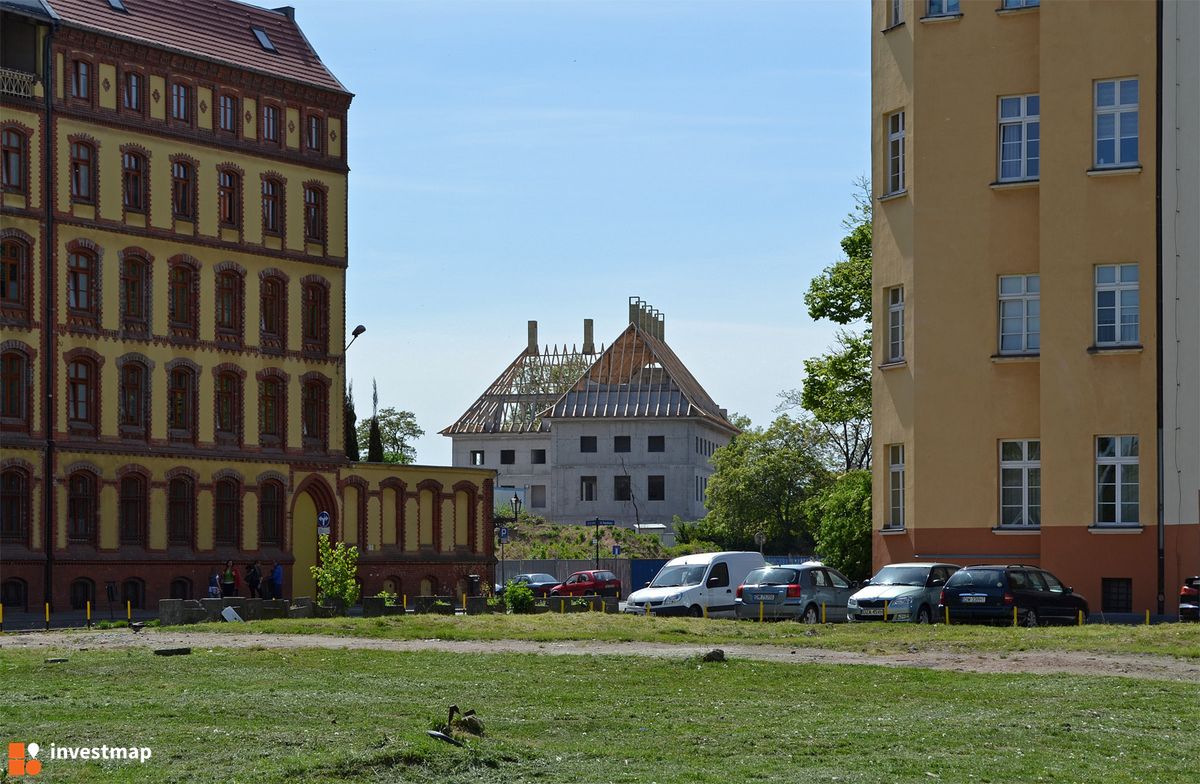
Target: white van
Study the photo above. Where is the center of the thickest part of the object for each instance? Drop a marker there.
(694, 583)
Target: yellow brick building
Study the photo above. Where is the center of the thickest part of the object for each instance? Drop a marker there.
(173, 311)
(1016, 386)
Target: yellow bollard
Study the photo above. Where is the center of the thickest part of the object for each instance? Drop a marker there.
(47, 616)
(760, 612)
(603, 607)
(1147, 617)
(562, 605)
(822, 612)
(405, 601)
(947, 615)
(464, 603)
(885, 609)
(647, 609)
(1080, 617)
(704, 610)
(89, 615)
(128, 610)
(1014, 617)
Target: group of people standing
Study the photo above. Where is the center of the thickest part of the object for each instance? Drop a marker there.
(228, 582)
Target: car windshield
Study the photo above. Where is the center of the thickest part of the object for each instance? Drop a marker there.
(685, 574)
(542, 578)
(977, 578)
(901, 575)
(772, 576)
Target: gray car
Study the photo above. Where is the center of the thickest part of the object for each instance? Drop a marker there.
(903, 592)
(798, 592)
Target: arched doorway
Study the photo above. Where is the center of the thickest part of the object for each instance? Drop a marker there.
(312, 498)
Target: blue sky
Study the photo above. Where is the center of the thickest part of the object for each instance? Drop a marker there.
(546, 160)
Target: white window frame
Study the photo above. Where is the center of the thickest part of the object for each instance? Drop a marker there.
(1119, 111)
(1028, 467)
(1125, 288)
(1026, 122)
(895, 12)
(894, 126)
(895, 519)
(944, 8)
(587, 488)
(895, 334)
(1118, 455)
(1011, 4)
(1024, 292)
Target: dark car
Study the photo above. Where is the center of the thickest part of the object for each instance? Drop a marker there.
(593, 582)
(1189, 599)
(539, 582)
(990, 593)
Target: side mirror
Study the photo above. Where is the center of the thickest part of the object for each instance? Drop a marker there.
(1070, 589)
(713, 582)
(647, 584)
(866, 582)
(936, 583)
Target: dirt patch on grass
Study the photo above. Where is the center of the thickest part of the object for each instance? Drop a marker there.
(1026, 662)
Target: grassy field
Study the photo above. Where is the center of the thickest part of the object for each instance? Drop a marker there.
(294, 716)
(1175, 639)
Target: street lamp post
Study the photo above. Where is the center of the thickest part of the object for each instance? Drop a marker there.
(515, 503)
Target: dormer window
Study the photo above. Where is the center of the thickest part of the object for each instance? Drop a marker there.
(118, 5)
(263, 40)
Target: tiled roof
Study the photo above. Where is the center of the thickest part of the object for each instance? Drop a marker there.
(210, 29)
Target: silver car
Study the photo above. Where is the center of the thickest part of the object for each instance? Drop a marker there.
(809, 592)
(901, 592)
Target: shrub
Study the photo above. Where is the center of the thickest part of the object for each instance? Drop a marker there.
(518, 597)
(336, 572)
(387, 596)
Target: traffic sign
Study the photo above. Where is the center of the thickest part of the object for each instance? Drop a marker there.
(616, 549)
(503, 535)
(323, 523)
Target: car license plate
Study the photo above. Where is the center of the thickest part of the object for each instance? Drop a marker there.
(974, 599)
(764, 597)
(871, 611)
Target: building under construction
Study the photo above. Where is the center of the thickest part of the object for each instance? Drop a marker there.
(624, 433)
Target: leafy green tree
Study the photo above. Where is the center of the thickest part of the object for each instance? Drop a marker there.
(762, 482)
(397, 432)
(336, 570)
(844, 534)
(350, 433)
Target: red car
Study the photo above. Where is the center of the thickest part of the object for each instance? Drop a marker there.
(1189, 599)
(593, 582)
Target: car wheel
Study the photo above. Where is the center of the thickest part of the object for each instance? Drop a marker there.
(1031, 619)
(695, 611)
(924, 615)
(811, 614)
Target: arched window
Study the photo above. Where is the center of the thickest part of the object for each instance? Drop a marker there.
(181, 310)
(229, 405)
(13, 159)
(228, 512)
(181, 399)
(14, 391)
(132, 510)
(181, 510)
(270, 411)
(14, 506)
(81, 506)
(229, 198)
(134, 399)
(181, 588)
(83, 172)
(133, 590)
(14, 594)
(272, 194)
(81, 395)
(135, 307)
(429, 586)
(14, 280)
(229, 305)
(316, 411)
(273, 314)
(270, 512)
(136, 177)
(83, 591)
(183, 190)
(315, 318)
(82, 285)
(314, 214)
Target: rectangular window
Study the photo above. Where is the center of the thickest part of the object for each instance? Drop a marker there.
(1117, 307)
(229, 201)
(508, 456)
(182, 194)
(1116, 123)
(1020, 138)
(133, 91)
(270, 129)
(314, 215)
(895, 486)
(1021, 483)
(895, 152)
(1020, 314)
(943, 7)
(272, 209)
(1021, 3)
(476, 457)
(1116, 594)
(314, 133)
(621, 444)
(81, 80)
(895, 345)
(227, 113)
(587, 488)
(181, 97)
(656, 444)
(1117, 490)
(82, 156)
(135, 179)
(537, 456)
(621, 488)
(656, 488)
(895, 12)
(587, 443)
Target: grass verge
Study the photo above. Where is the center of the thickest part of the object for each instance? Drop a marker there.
(320, 716)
